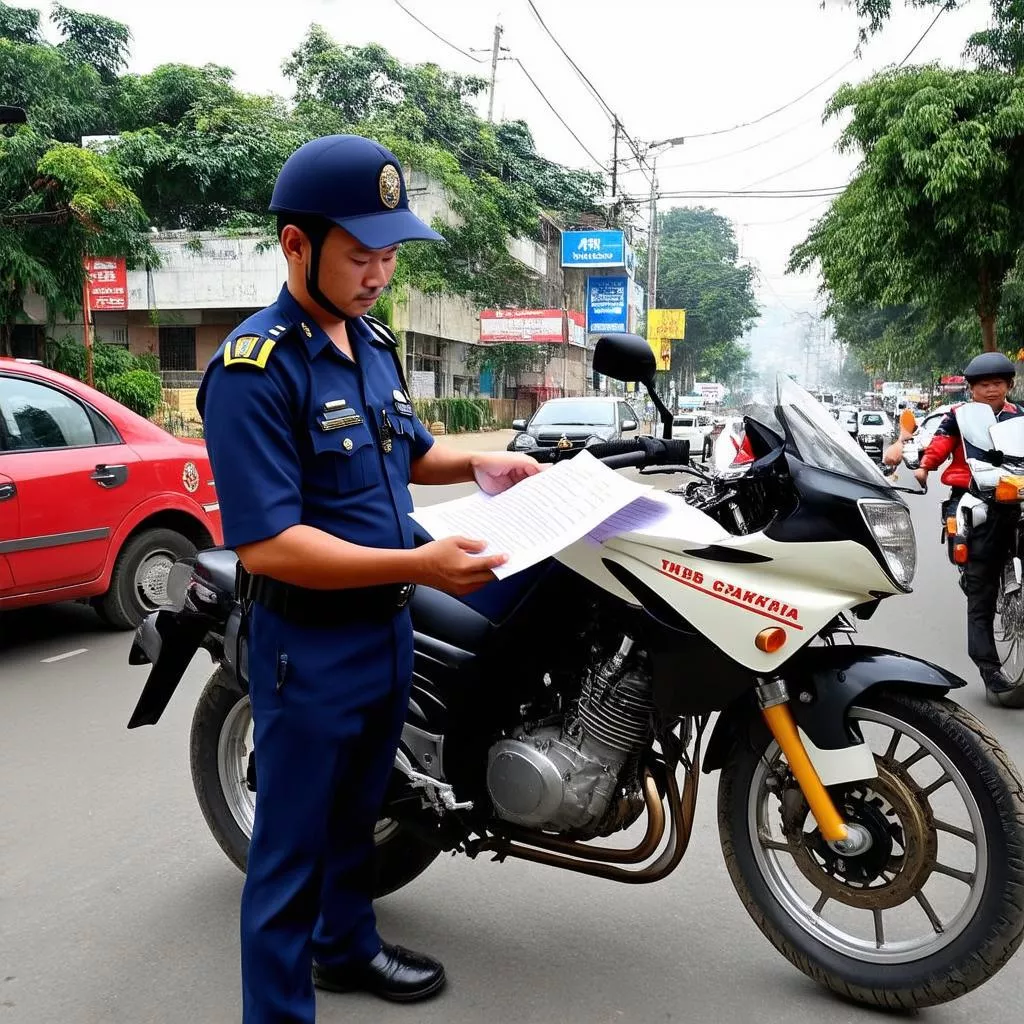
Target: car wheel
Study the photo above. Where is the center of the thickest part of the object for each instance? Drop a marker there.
(138, 584)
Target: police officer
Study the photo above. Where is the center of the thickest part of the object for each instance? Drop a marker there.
(990, 377)
(314, 441)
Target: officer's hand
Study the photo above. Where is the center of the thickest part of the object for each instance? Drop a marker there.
(893, 455)
(452, 565)
(495, 472)
(921, 476)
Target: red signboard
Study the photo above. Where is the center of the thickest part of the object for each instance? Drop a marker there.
(530, 327)
(108, 282)
(952, 379)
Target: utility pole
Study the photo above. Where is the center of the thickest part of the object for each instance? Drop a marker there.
(494, 70)
(615, 159)
(652, 232)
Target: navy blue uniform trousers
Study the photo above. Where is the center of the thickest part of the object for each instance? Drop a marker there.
(328, 707)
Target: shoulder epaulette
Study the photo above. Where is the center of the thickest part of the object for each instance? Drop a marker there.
(249, 350)
(381, 331)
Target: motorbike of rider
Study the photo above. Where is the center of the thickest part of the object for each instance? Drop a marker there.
(873, 828)
(989, 376)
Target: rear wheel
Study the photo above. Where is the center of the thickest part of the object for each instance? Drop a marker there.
(935, 906)
(224, 777)
(1009, 635)
(138, 584)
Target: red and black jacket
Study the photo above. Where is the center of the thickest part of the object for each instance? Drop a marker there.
(947, 442)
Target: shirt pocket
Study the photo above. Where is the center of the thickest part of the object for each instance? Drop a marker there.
(405, 439)
(344, 460)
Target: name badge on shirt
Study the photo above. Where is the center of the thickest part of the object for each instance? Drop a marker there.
(336, 415)
(402, 403)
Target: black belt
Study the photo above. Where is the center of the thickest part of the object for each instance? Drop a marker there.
(323, 608)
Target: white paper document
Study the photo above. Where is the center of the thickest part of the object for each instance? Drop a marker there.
(545, 513)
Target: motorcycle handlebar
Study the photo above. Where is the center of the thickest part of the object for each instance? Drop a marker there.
(634, 451)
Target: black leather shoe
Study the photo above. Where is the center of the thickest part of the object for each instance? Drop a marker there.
(996, 682)
(394, 973)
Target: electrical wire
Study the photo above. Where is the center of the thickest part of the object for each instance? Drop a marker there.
(924, 35)
(437, 35)
(543, 96)
(795, 167)
(633, 144)
(754, 193)
(786, 220)
(777, 110)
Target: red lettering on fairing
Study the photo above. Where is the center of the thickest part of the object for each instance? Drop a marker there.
(730, 593)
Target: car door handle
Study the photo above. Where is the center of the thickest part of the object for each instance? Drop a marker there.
(7, 491)
(109, 476)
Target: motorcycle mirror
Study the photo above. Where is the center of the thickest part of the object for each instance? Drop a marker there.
(12, 115)
(625, 357)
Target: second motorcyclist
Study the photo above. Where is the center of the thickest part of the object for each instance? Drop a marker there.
(989, 377)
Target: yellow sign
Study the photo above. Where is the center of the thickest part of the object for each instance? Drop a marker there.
(666, 324)
(662, 354)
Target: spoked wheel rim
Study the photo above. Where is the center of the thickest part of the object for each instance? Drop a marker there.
(901, 900)
(1009, 625)
(151, 578)
(234, 748)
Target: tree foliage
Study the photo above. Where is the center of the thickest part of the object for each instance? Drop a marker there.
(935, 214)
(698, 271)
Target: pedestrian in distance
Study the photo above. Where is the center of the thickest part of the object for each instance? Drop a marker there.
(314, 441)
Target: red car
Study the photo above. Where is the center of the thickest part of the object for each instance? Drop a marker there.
(96, 502)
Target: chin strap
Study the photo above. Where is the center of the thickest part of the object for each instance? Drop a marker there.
(316, 244)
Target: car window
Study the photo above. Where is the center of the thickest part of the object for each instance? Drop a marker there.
(683, 421)
(36, 416)
(572, 412)
(625, 413)
(872, 419)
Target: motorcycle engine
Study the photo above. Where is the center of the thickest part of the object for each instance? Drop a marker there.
(563, 777)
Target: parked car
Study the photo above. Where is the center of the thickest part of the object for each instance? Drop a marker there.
(96, 502)
(926, 427)
(575, 422)
(874, 432)
(847, 416)
(695, 427)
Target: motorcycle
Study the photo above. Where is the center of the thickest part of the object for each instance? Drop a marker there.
(872, 827)
(995, 455)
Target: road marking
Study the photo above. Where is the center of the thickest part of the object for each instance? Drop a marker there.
(61, 657)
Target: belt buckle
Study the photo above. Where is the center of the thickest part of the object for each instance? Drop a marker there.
(405, 592)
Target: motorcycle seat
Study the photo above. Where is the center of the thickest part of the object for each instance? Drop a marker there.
(218, 566)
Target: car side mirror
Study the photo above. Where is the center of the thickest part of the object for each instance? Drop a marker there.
(629, 424)
(519, 424)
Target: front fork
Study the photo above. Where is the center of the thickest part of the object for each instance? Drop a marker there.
(773, 697)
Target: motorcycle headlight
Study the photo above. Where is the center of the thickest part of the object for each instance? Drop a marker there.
(893, 532)
(524, 442)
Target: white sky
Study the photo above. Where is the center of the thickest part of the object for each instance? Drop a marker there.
(667, 67)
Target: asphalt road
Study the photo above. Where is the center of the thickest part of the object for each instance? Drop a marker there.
(117, 906)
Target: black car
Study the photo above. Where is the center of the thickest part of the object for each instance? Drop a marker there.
(574, 423)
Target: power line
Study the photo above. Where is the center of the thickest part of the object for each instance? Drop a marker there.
(795, 167)
(612, 116)
(437, 35)
(786, 220)
(777, 110)
(823, 193)
(543, 96)
(924, 35)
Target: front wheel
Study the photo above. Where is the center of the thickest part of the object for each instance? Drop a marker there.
(225, 778)
(934, 907)
(1008, 630)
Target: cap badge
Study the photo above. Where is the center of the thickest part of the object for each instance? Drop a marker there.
(390, 186)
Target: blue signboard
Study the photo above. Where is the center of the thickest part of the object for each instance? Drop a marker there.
(593, 249)
(607, 305)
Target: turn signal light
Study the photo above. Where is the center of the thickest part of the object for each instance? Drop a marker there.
(770, 640)
(960, 554)
(951, 525)
(1010, 488)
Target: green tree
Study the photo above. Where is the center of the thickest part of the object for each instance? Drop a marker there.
(934, 216)
(58, 203)
(698, 271)
(507, 361)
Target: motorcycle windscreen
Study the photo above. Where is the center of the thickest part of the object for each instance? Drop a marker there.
(976, 421)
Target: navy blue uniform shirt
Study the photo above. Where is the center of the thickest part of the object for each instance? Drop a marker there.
(298, 433)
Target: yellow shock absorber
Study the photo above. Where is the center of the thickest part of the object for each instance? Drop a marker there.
(783, 728)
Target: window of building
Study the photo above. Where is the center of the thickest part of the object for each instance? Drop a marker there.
(177, 348)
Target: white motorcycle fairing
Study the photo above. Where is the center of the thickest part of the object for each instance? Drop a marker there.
(730, 588)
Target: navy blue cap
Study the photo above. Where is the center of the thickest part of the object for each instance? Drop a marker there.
(357, 184)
